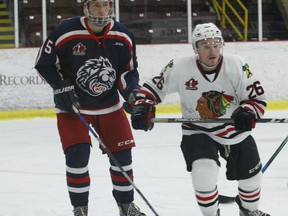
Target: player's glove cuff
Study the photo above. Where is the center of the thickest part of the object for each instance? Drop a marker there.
(143, 110)
(127, 105)
(65, 96)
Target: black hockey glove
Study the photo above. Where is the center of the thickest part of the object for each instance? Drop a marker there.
(65, 96)
(143, 110)
(244, 120)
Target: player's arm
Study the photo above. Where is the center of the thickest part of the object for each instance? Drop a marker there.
(130, 91)
(143, 107)
(151, 93)
(47, 67)
(128, 83)
(46, 62)
(252, 101)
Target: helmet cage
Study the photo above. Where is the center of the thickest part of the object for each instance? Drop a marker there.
(100, 21)
(205, 31)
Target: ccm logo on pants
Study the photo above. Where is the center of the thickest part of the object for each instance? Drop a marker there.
(126, 142)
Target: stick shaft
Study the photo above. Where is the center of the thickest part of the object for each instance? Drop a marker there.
(111, 156)
(275, 154)
(220, 120)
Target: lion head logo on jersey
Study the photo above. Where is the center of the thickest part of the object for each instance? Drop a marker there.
(96, 76)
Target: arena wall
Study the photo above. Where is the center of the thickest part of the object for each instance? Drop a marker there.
(24, 93)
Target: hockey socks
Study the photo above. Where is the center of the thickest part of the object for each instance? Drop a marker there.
(77, 174)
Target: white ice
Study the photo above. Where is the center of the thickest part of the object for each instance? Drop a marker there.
(32, 172)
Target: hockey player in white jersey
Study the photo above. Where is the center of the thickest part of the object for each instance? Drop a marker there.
(212, 84)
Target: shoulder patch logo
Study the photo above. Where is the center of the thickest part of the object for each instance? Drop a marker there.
(79, 49)
(169, 65)
(246, 69)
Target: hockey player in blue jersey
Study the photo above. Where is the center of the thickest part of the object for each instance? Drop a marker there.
(212, 84)
(88, 61)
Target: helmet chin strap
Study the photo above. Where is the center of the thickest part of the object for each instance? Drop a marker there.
(209, 68)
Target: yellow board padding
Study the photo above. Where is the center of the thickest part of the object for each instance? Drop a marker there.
(160, 109)
(27, 114)
(277, 105)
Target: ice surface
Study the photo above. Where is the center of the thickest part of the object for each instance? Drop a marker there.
(32, 172)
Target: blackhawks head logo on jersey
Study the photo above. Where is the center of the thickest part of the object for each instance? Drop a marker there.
(96, 76)
(213, 104)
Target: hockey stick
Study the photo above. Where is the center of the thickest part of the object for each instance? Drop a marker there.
(111, 156)
(219, 120)
(227, 199)
(275, 154)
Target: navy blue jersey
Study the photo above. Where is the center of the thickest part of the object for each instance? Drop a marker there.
(99, 66)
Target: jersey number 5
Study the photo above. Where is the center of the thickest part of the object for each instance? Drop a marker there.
(255, 90)
(48, 47)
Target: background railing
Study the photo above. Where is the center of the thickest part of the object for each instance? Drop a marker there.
(223, 15)
(26, 23)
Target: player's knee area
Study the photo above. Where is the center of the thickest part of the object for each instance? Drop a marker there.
(252, 183)
(77, 155)
(197, 146)
(204, 174)
(124, 157)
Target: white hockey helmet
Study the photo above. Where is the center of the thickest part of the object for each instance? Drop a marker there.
(205, 31)
(100, 21)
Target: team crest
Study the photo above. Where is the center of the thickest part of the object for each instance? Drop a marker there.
(96, 76)
(191, 84)
(79, 49)
(213, 104)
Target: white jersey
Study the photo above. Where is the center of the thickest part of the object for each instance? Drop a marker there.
(231, 85)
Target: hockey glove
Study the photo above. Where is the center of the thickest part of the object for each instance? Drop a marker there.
(143, 110)
(244, 120)
(127, 105)
(65, 96)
